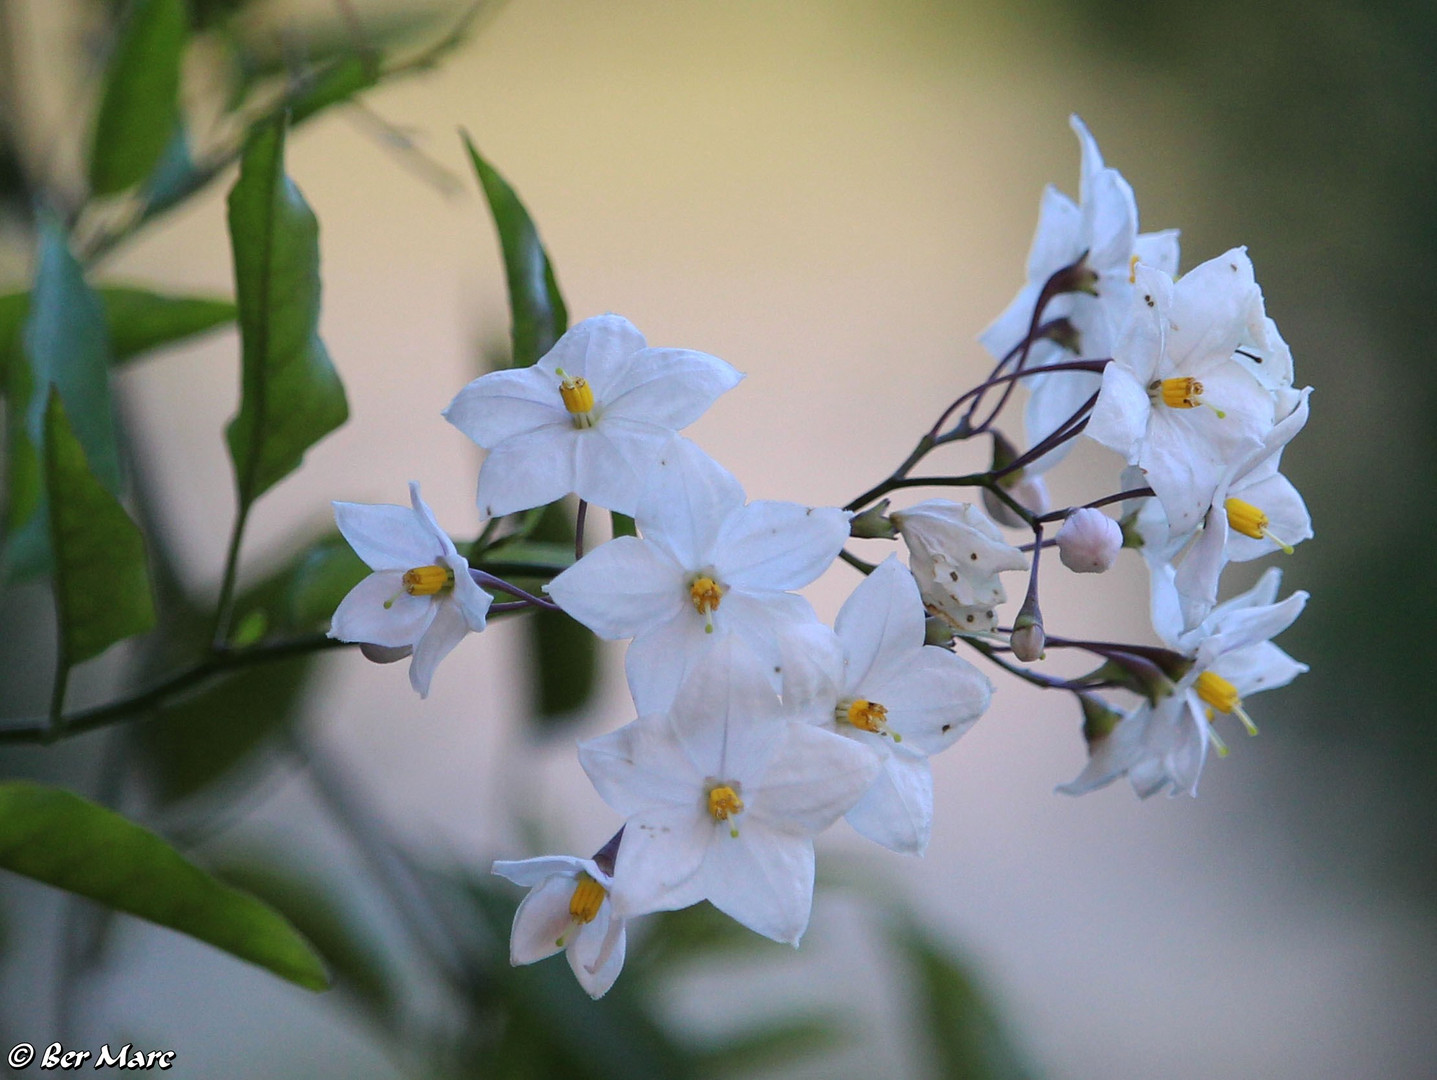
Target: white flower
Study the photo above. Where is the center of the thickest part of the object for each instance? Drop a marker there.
(568, 907)
(883, 687)
(591, 417)
(420, 593)
(723, 797)
(1103, 226)
(707, 566)
(1173, 401)
(956, 555)
(1163, 746)
(1089, 541)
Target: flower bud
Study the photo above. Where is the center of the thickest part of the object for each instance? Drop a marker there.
(873, 523)
(1027, 642)
(1089, 541)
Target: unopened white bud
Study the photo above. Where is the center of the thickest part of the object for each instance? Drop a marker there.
(1089, 541)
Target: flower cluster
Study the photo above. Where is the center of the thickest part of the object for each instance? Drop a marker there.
(757, 725)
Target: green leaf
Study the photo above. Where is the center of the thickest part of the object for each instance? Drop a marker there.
(102, 590)
(771, 1045)
(564, 654)
(358, 966)
(527, 557)
(67, 342)
(321, 578)
(537, 312)
(339, 82)
(141, 320)
(291, 395)
(139, 111)
(964, 1035)
(60, 839)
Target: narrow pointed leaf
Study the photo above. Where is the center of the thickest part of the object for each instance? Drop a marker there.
(537, 313)
(102, 589)
(291, 396)
(60, 839)
(141, 320)
(139, 111)
(67, 342)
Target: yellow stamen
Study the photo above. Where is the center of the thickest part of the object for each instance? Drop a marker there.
(428, 580)
(705, 594)
(1250, 521)
(1181, 393)
(588, 897)
(578, 397)
(867, 716)
(724, 803)
(1133, 270)
(1223, 696)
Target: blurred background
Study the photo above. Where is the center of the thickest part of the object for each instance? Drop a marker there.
(835, 197)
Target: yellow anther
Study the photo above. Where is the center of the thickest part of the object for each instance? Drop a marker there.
(588, 897)
(867, 716)
(1133, 270)
(1182, 392)
(428, 580)
(725, 803)
(705, 594)
(1247, 519)
(1223, 696)
(577, 395)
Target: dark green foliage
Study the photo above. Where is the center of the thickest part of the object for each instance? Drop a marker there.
(291, 396)
(63, 840)
(139, 111)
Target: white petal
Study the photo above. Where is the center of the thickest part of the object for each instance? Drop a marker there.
(726, 715)
(1209, 312)
(529, 470)
(814, 778)
(660, 657)
(686, 502)
(445, 631)
(1258, 667)
(386, 537)
(764, 620)
(661, 859)
(1111, 214)
(762, 878)
(541, 920)
(529, 872)
(614, 461)
(1286, 513)
(1010, 327)
(670, 388)
(813, 667)
(599, 350)
(363, 616)
(1237, 629)
(1057, 242)
(778, 545)
(1053, 400)
(932, 697)
(640, 766)
(881, 621)
(472, 601)
(1159, 249)
(596, 956)
(622, 588)
(503, 404)
(1119, 418)
(897, 810)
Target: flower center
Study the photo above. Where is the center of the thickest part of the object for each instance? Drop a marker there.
(1247, 519)
(705, 594)
(1180, 392)
(588, 897)
(724, 803)
(428, 580)
(578, 397)
(866, 716)
(1223, 696)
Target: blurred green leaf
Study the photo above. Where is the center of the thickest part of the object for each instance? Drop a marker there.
(139, 110)
(67, 342)
(527, 557)
(102, 588)
(964, 1036)
(564, 655)
(357, 965)
(771, 1045)
(338, 82)
(321, 578)
(537, 313)
(291, 396)
(141, 320)
(60, 839)
(675, 939)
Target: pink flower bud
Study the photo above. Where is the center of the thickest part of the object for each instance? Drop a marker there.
(1089, 541)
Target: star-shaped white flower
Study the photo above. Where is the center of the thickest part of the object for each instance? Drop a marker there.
(708, 565)
(1163, 747)
(591, 417)
(568, 907)
(420, 593)
(1103, 225)
(723, 796)
(956, 555)
(1173, 401)
(883, 687)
